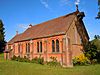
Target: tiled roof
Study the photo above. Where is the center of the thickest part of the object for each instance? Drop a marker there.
(50, 28)
(15, 38)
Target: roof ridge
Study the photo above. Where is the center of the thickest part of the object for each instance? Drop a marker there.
(74, 13)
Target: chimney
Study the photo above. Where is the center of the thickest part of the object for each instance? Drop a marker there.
(16, 32)
(30, 25)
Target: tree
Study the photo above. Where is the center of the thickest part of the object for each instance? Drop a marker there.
(96, 41)
(90, 51)
(98, 15)
(2, 37)
(97, 37)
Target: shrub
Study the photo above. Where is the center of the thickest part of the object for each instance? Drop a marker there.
(13, 58)
(25, 59)
(81, 60)
(94, 61)
(18, 58)
(53, 62)
(39, 60)
(34, 60)
(90, 51)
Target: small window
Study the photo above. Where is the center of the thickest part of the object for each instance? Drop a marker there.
(14, 48)
(40, 46)
(57, 45)
(53, 46)
(28, 48)
(18, 48)
(69, 43)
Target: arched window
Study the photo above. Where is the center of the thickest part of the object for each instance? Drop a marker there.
(28, 48)
(40, 46)
(18, 48)
(57, 45)
(13, 48)
(37, 46)
(53, 46)
(69, 43)
(22, 48)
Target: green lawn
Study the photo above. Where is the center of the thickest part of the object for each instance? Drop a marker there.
(21, 68)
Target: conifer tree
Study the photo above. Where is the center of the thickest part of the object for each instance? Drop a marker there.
(2, 37)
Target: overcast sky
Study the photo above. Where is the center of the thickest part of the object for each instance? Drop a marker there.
(18, 14)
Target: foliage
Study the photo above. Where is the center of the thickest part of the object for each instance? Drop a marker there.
(25, 59)
(39, 60)
(98, 15)
(2, 39)
(94, 61)
(96, 37)
(53, 62)
(13, 58)
(18, 58)
(90, 51)
(96, 42)
(81, 60)
(34, 60)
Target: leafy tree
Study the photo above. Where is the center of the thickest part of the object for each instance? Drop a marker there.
(98, 15)
(96, 42)
(90, 51)
(2, 39)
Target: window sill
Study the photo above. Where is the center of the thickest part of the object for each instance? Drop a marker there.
(40, 53)
(56, 52)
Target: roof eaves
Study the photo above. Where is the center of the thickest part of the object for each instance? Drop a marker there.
(45, 36)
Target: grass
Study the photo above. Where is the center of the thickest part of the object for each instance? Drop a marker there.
(21, 68)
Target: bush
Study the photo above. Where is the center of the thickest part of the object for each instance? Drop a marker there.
(25, 59)
(13, 58)
(91, 52)
(39, 60)
(16, 58)
(34, 60)
(81, 60)
(20, 59)
(53, 62)
(94, 61)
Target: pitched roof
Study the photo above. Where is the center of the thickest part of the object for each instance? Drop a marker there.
(52, 27)
(15, 38)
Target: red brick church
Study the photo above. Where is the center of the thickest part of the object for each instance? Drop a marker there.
(62, 37)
